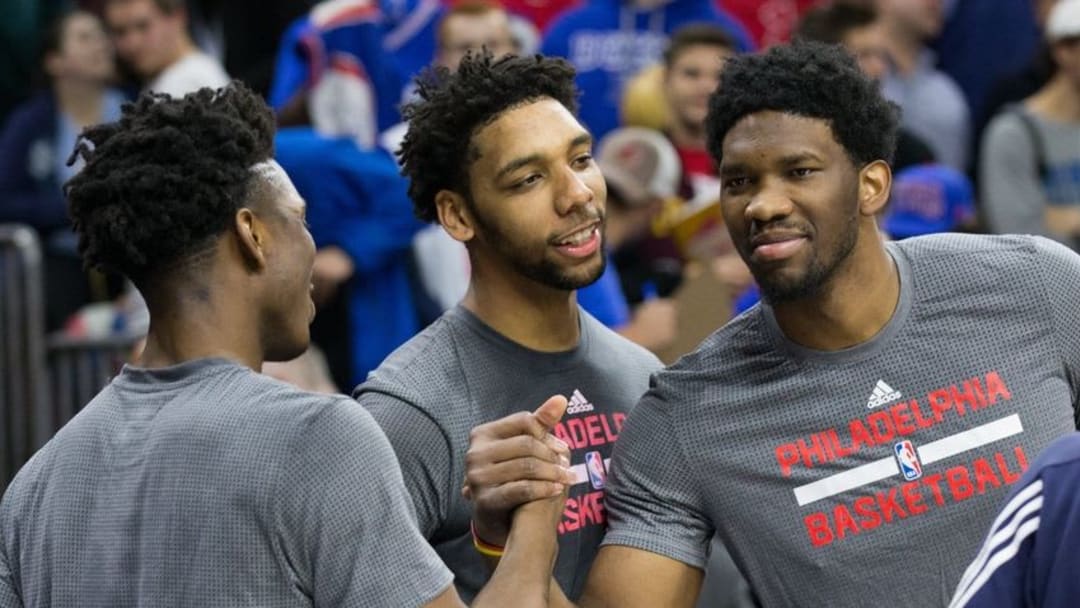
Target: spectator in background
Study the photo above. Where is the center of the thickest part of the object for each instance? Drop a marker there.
(859, 30)
(152, 39)
(1029, 174)
(334, 73)
(609, 41)
(688, 229)
(693, 62)
(641, 169)
(934, 107)
(37, 140)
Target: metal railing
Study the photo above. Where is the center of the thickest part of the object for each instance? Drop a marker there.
(26, 422)
(44, 380)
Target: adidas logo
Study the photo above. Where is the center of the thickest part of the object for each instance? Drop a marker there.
(578, 403)
(883, 393)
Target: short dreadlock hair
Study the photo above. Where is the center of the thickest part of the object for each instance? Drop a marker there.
(808, 79)
(167, 178)
(452, 107)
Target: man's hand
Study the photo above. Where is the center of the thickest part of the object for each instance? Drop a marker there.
(513, 461)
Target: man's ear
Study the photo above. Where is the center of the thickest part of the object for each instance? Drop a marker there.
(875, 183)
(251, 238)
(454, 215)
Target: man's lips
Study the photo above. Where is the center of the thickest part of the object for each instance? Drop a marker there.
(772, 247)
(582, 242)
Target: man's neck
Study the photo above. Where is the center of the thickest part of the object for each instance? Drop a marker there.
(195, 323)
(535, 316)
(856, 304)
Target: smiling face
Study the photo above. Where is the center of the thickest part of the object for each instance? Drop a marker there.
(537, 198)
(790, 197)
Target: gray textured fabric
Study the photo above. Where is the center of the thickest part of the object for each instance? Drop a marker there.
(206, 484)
(792, 454)
(1013, 193)
(460, 373)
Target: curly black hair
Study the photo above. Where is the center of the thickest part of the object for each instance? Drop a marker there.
(808, 79)
(436, 152)
(164, 180)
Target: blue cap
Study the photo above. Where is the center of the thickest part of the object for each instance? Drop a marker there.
(928, 198)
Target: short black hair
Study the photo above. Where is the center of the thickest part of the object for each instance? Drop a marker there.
(436, 152)
(167, 178)
(830, 24)
(808, 79)
(696, 34)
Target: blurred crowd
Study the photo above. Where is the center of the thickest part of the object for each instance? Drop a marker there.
(990, 94)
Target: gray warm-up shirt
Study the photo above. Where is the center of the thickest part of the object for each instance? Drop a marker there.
(866, 476)
(207, 484)
(460, 373)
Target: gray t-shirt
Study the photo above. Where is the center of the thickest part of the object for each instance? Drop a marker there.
(867, 476)
(206, 484)
(1014, 194)
(460, 373)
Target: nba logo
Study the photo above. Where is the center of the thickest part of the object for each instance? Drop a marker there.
(594, 463)
(910, 466)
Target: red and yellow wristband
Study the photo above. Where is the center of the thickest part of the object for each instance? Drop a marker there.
(482, 546)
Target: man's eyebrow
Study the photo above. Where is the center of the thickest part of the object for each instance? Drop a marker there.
(516, 164)
(581, 140)
(799, 157)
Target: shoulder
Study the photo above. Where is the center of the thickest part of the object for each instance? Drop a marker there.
(426, 362)
(731, 356)
(285, 410)
(621, 351)
(1006, 125)
(1006, 250)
